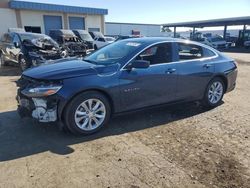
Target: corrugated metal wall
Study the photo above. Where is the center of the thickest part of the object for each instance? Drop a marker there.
(114, 29)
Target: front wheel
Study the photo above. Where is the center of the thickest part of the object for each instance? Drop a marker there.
(2, 60)
(214, 93)
(23, 63)
(87, 113)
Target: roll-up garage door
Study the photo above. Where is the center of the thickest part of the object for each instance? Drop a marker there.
(76, 22)
(52, 22)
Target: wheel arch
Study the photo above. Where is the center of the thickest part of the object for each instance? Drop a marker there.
(101, 91)
(224, 79)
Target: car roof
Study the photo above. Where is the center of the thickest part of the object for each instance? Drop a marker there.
(29, 33)
(81, 31)
(155, 39)
(151, 40)
(64, 32)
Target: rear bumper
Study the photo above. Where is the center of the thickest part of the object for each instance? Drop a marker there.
(231, 79)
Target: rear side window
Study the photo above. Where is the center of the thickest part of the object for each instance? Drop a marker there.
(189, 51)
(208, 53)
(192, 51)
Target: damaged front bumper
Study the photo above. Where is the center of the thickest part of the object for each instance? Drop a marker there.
(43, 110)
(38, 100)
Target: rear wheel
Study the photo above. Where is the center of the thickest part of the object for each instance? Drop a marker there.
(95, 47)
(87, 113)
(214, 93)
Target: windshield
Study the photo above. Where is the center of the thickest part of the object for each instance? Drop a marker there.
(46, 41)
(38, 40)
(71, 39)
(31, 36)
(86, 37)
(113, 53)
(216, 39)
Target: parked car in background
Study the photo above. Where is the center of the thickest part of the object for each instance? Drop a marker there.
(247, 44)
(203, 40)
(28, 49)
(123, 76)
(86, 38)
(99, 39)
(218, 42)
(215, 41)
(69, 41)
(110, 39)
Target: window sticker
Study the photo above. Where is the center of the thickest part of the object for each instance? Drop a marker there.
(135, 44)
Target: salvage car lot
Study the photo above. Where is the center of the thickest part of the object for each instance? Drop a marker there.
(174, 146)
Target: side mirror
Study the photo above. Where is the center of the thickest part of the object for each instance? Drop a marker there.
(138, 64)
(16, 44)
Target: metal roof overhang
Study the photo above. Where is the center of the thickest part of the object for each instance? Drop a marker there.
(212, 23)
(56, 8)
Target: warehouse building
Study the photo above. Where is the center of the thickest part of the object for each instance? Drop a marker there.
(149, 30)
(41, 17)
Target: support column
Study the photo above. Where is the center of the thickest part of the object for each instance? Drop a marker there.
(193, 31)
(65, 21)
(244, 31)
(103, 24)
(18, 18)
(174, 32)
(225, 32)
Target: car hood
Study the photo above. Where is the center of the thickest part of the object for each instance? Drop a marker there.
(60, 70)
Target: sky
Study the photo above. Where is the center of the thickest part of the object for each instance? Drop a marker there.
(163, 11)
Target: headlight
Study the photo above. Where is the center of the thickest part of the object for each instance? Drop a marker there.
(41, 91)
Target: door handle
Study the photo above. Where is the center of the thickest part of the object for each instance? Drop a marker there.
(170, 71)
(207, 66)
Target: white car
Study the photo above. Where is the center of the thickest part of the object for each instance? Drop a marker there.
(99, 39)
(217, 42)
(247, 44)
(110, 39)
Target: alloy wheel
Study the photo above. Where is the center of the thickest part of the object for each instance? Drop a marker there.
(90, 114)
(215, 92)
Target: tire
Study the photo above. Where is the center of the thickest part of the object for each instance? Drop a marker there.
(82, 120)
(214, 93)
(95, 47)
(2, 60)
(23, 63)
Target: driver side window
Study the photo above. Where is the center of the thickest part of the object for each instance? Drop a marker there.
(157, 54)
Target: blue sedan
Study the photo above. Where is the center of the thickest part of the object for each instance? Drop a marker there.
(127, 75)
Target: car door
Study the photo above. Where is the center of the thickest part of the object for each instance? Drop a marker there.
(153, 85)
(195, 69)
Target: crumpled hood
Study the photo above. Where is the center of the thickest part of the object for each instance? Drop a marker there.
(61, 70)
